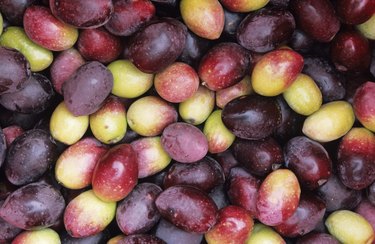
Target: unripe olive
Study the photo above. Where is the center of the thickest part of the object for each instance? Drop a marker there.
(65, 127)
(15, 37)
(367, 28)
(349, 227)
(304, 95)
(330, 122)
(197, 108)
(108, 124)
(128, 80)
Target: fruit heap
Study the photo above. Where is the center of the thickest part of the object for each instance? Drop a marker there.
(187, 121)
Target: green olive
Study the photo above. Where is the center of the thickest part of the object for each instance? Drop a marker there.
(128, 80)
(263, 234)
(197, 108)
(367, 28)
(38, 57)
(349, 227)
(65, 127)
(304, 95)
(330, 122)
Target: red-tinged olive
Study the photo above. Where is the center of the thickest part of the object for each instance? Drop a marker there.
(252, 117)
(137, 213)
(129, 16)
(242, 88)
(116, 173)
(188, 208)
(82, 15)
(328, 79)
(34, 97)
(356, 157)
(364, 105)
(141, 238)
(309, 160)
(266, 29)
(63, 66)
(75, 166)
(99, 45)
(85, 91)
(317, 18)
(309, 212)
(243, 189)
(204, 18)
(177, 82)
(354, 12)
(350, 51)
(7, 231)
(337, 196)
(14, 70)
(278, 197)
(317, 238)
(13, 10)
(29, 157)
(234, 225)
(46, 235)
(151, 157)
(223, 65)
(266, 155)
(150, 115)
(46, 30)
(204, 174)
(184, 142)
(45, 206)
(227, 161)
(171, 234)
(152, 51)
(87, 215)
(276, 71)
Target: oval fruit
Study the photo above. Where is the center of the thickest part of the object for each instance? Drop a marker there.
(204, 18)
(278, 197)
(330, 122)
(349, 227)
(46, 30)
(108, 124)
(252, 117)
(75, 166)
(48, 207)
(79, 218)
(86, 89)
(65, 127)
(116, 173)
(149, 115)
(188, 208)
(304, 95)
(276, 71)
(184, 142)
